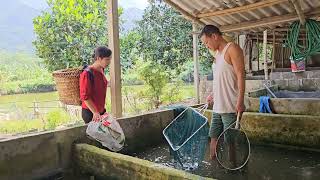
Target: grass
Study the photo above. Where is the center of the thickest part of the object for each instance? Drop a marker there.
(49, 121)
(17, 126)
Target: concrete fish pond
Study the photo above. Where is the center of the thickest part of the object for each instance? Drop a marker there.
(282, 148)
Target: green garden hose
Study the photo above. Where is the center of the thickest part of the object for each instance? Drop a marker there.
(298, 51)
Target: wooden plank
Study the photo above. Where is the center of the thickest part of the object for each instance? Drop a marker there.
(297, 7)
(240, 9)
(265, 53)
(185, 13)
(250, 56)
(196, 63)
(268, 21)
(115, 67)
(286, 29)
(282, 59)
(258, 51)
(273, 50)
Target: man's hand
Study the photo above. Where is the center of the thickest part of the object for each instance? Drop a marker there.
(96, 116)
(210, 100)
(240, 107)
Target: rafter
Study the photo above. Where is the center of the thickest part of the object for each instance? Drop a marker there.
(297, 7)
(268, 21)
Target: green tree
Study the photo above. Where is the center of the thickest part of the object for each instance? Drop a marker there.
(166, 37)
(128, 49)
(155, 77)
(68, 32)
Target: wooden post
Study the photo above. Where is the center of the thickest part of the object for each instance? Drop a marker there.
(265, 53)
(237, 38)
(115, 68)
(250, 55)
(297, 7)
(258, 51)
(273, 50)
(34, 110)
(196, 62)
(282, 59)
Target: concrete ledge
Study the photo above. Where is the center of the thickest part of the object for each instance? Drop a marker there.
(37, 155)
(296, 106)
(117, 166)
(262, 91)
(297, 130)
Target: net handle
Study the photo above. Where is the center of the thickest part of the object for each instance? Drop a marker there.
(203, 108)
(237, 121)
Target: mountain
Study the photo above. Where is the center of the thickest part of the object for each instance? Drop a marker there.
(130, 16)
(16, 27)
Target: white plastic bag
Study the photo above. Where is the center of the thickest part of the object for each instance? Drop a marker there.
(108, 132)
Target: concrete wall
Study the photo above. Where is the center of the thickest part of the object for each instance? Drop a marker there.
(206, 87)
(305, 81)
(302, 81)
(297, 130)
(262, 92)
(289, 106)
(37, 155)
(41, 154)
(118, 166)
(145, 130)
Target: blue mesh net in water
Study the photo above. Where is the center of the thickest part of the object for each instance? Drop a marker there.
(187, 136)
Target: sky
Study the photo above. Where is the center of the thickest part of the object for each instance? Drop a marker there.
(140, 4)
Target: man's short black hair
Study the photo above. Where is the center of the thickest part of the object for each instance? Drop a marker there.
(208, 30)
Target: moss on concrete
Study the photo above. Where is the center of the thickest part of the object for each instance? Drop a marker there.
(118, 166)
(294, 106)
(297, 130)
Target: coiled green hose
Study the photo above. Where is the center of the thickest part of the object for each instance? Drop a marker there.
(298, 51)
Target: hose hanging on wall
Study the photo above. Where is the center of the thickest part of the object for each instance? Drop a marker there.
(298, 51)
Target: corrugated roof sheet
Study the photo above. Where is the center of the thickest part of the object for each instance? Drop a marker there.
(272, 12)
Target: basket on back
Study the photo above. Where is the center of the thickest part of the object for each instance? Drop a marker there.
(67, 83)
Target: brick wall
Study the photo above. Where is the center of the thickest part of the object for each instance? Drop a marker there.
(302, 81)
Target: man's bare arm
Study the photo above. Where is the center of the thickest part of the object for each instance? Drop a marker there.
(237, 60)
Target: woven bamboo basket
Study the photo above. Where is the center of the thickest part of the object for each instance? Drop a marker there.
(67, 83)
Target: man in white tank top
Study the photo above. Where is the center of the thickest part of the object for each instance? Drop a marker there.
(229, 82)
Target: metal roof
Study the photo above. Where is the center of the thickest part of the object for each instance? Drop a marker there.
(245, 16)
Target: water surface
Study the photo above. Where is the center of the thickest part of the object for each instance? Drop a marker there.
(266, 163)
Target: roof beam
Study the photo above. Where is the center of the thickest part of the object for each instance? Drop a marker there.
(239, 9)
(185, 13)
(268, 21)
(297, 7)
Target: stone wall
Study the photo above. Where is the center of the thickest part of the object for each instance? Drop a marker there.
(302, 81)
(206, 87)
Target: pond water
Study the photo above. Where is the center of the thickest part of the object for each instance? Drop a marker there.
(266, 163)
